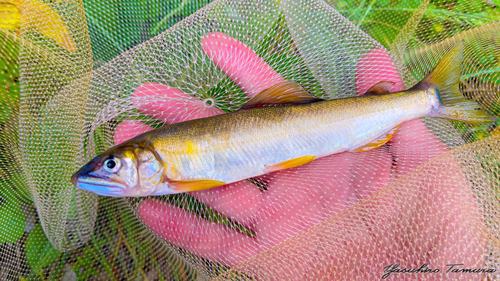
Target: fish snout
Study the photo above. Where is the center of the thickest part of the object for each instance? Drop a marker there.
(84, 171)
(74, 178)
(81, 172)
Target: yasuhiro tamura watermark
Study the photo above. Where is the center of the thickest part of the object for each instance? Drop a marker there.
(452, 268)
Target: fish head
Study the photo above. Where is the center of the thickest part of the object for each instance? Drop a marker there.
(113, 173)
(124, 171)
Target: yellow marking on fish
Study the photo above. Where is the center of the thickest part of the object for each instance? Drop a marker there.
(191, 148)
(129, 154)
(194, 185)
(292, 163)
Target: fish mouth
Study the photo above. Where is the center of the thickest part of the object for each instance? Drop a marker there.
(98, 185)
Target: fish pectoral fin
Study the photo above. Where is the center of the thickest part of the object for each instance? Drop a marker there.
(378, 142)
(381, 88)
(193, 185)
(290, 163)
(285, 92)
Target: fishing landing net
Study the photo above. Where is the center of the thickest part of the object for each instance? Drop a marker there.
(78, 77)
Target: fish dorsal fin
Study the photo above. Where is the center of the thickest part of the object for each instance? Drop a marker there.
(378, 142)
(382, 87)
(286, 92)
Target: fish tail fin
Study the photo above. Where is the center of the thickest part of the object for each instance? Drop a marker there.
(445, 79)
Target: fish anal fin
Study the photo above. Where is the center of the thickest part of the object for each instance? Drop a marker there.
(285, 92)
(290, 163)
(193, 185)
(381, 88)
(378, 142)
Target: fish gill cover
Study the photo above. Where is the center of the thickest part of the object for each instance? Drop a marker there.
(78, 77)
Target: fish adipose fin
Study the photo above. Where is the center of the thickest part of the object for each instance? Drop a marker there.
(193, 185)
(381, 88)
(292, 163)
(285, 92)
(378, 142)
(445, 79)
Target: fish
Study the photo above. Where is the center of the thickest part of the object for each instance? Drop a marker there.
(281, 128)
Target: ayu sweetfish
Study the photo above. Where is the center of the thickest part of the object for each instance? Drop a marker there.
(209, 152)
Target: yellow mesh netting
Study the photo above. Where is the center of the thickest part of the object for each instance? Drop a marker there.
(77, 77)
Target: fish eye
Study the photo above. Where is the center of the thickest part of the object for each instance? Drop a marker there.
(111, 165)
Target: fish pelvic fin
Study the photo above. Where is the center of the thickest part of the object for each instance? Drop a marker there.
(445, 78)
(193, 185)
(286, 92)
